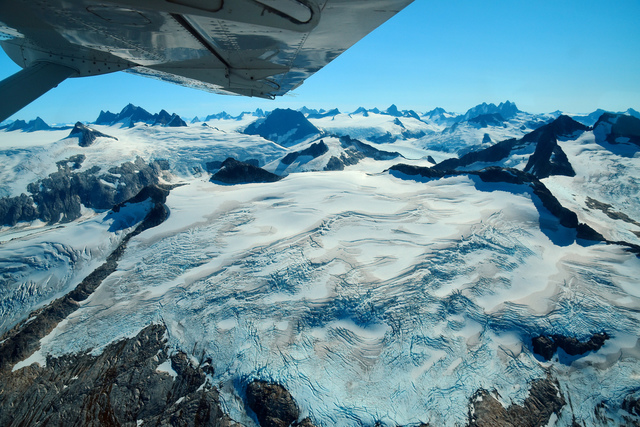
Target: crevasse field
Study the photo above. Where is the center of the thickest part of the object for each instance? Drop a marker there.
(371, 296)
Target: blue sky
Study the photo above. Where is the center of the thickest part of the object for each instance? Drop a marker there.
(574, 56)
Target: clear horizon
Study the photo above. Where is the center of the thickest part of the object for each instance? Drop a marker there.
(571, 56)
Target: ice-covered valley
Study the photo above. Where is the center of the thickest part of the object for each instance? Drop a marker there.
(374, 297)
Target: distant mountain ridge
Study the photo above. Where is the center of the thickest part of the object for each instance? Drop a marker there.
(31, 126)
(132, 114)
(482, 116)
(506, 110)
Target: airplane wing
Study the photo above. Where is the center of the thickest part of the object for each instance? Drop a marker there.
(261, 48)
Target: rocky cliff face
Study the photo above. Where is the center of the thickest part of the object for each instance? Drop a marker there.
(132, 382)
(58, 198)
(273, 405)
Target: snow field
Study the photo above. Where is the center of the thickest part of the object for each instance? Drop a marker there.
(369, 297)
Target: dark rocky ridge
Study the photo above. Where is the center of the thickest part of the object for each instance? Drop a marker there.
(544, 400)
(547, 345)
(566, 217)
(24, 339)
(314, 150)
(58, 198)
(233, 171)
(119, 387)
(87, 136)
(622, 126)
(494, 153)
(548, 158)
(280, 123)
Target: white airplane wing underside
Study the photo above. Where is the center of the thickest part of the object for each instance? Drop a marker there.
(261, 48)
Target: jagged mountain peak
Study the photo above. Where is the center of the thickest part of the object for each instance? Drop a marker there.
(393, 111)
(130, 109)
(87, 136)
(506, 109)
(283, 126)
(435, 112)
(31, 126)
(132, 114)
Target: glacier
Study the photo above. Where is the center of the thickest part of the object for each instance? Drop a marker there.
(373, 298)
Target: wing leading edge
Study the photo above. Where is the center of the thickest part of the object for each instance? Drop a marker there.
(262, 48)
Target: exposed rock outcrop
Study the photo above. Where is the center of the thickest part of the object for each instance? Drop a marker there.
(134, 381)
(59, 197)
(491, 154)
(547, 345)
(87, 136)
(544, 400)
(273, 405)
(367, 150)
(314, 150)
(233, 171)
(354, 151)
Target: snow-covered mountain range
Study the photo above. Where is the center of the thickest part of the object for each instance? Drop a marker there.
(380, 267)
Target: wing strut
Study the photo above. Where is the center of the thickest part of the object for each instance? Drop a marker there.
(28, 84)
